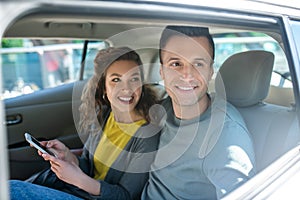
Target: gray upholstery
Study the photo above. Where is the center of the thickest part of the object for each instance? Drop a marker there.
(246, 77)
(274, 128)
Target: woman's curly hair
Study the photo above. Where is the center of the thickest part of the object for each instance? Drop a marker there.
(93, 96)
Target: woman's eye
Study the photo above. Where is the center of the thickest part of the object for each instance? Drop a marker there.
(116, 80)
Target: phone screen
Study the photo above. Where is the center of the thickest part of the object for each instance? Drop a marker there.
(37, 144)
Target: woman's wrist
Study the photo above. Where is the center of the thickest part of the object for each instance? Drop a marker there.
(89, 184)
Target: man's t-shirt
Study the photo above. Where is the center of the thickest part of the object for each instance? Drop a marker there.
(202, 158)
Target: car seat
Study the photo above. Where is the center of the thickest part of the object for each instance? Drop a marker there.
(246, 78)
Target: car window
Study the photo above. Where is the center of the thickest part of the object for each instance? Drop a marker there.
(296, 33)
(93, 48)
(228, 44)
(32, 65)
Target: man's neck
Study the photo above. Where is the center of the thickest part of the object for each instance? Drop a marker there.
(191, 111)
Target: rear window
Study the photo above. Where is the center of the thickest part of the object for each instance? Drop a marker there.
(228, 44)
(32, 65)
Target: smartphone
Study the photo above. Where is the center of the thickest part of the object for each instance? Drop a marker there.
(35, 143)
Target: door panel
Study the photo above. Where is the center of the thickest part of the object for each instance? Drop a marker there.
(46, 115)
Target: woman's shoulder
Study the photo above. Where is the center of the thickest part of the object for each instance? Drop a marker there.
(148, 135)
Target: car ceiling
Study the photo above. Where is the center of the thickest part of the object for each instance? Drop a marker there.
(137, 33)
(95, 20)
(88, 27)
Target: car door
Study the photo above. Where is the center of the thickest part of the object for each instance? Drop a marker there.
(46, 115)
(42, 73)
(51, 111)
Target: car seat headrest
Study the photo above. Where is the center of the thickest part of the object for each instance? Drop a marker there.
(245, 77)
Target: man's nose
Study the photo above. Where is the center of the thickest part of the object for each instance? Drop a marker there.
(187, 72)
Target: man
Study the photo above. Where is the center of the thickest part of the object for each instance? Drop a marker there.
(205, 149)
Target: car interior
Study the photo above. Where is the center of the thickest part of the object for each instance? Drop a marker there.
(273, 127)
(246, 72)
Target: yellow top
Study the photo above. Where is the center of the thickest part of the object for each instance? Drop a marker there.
(114, 139)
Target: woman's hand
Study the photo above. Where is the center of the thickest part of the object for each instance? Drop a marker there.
(64, 170)
(70, 172)
(60, 150)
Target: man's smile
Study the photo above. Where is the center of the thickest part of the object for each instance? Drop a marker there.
(186, 87)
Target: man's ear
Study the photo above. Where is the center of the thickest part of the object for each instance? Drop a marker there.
(162, 75)
(211, 72)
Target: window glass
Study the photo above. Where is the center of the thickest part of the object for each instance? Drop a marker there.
(32, 65)
(296, 33)
(231, 43)
(93, 48)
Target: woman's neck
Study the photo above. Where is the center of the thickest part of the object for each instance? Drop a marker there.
(126, 117)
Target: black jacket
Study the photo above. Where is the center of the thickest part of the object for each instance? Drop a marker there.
(128, 174)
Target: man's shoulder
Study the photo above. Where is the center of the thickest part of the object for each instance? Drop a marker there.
(234, 114)
(167, 104)
(166, 101)
(230, 111)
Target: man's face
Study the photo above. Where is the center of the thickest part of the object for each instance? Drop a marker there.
(186, 69)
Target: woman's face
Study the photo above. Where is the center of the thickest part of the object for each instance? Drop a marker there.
(123, 85)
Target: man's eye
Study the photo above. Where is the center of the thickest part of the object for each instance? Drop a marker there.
(199, 64)
(135, 79)
(116, 80)
(175, 64)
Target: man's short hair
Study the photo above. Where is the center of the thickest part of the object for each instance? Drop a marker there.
(190, 31)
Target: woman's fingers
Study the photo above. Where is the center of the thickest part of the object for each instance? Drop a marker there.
(40, 153)
(55, 164)
(50, 158)
(44, 143)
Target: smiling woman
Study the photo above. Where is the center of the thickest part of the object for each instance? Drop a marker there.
(120, 137)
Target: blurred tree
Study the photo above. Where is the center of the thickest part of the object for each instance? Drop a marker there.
(8, 43)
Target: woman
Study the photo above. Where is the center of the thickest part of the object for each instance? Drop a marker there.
(116, 158)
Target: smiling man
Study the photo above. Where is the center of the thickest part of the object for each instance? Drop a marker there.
(186, 71)
(205, 150)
